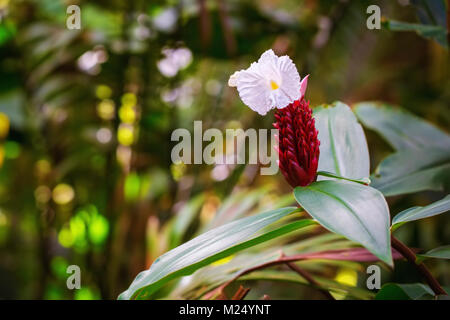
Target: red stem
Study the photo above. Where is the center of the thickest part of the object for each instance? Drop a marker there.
(305, 274)
(421, 268)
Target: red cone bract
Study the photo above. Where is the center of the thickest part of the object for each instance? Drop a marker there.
(298, 144)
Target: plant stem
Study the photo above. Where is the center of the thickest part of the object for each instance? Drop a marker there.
(240, 293)
(423, 270)
(309, 278)
(355, 254)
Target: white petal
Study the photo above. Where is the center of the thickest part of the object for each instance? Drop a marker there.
(268, 56)
(268, 64)
(290, 81)
(281, 99)
(252, 90)
(232, 82)
(255, 85)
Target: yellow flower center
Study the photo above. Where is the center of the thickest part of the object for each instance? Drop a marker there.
(273, 85)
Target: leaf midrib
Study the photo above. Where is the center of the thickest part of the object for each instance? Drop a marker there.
(222, 254)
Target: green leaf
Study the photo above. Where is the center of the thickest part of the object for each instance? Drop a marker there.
(416, 213)
(431, 12)
(395, 291)
(433, 32)
(7, 31)
(324, 283)
(209, 247)
(422, 160)
(107, 22)
(236, 206)
(343, 146)
(12, 103)
(359, 213)
(410, 171)
(365, 181)
(184, 219)
(437, 253)
(400, 128)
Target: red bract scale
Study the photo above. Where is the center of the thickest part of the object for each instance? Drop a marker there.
(298, 144)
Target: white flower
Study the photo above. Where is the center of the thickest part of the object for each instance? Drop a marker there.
(174, 61)
(272, 82)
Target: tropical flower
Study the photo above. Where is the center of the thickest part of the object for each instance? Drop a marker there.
(272, 82)
(298, 148)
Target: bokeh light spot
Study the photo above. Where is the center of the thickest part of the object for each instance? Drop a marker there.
(178, 169)
(65, 238)
(12, 149)
(132, 187)
(59, 267)
(42, 194)
(63, 194)
(127, 114)
(129, 99)
(105, 109)
(4, 125)
(98, 229)
(103, 92)
(125, 135)
(85, 293)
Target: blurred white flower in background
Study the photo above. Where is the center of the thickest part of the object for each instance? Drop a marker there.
(324, 25)
(272, 82)
(182, 96)
(103, 135)
(213, 87)
(166, 20)
(220, 172)
(174, 61)
(90, 61)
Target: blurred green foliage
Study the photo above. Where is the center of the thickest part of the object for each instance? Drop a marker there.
(86, 117)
